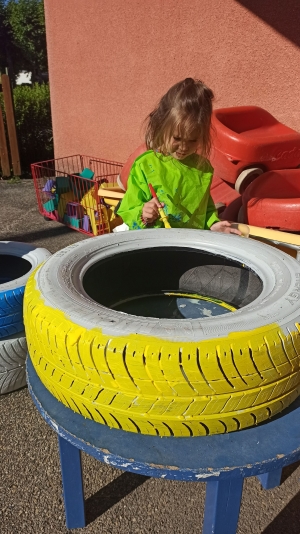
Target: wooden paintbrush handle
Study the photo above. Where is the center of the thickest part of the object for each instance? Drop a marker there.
(161, 212)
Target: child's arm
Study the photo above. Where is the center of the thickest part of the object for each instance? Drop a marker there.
(150, 211)
(213, 222)
(132, 204)
(138, 208)
(225, 227)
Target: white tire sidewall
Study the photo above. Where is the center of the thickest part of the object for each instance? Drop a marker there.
(59, 282)
(246, 173)
(34, 255)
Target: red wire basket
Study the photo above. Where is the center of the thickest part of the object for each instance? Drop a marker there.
(67, 191)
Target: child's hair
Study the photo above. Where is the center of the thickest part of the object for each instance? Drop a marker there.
(186, 107)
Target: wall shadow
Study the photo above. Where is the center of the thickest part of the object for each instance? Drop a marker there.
(288, 520)
(42, 233)
(283, 16)
(288, 471)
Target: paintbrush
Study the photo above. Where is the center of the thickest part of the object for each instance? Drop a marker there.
(161, 212)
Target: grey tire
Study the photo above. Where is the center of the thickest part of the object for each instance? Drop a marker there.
(13, 351)
(246, 177)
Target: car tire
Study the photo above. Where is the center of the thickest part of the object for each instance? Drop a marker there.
(13, 352)
(17, 262)
(246, 177)
(162, 376)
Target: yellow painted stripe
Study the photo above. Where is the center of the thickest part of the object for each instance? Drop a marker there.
(201, 297)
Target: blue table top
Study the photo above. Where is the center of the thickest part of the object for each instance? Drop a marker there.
(270, 445)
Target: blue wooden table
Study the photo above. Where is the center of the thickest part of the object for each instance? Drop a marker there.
(222, 461)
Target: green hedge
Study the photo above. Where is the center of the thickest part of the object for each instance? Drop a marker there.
(33, 123)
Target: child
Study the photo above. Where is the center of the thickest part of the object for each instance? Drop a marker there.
(176, 164)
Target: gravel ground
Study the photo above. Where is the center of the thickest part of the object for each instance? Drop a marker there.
(116, 502)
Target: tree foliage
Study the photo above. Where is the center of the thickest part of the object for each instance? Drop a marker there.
(22, 37)
(33, 123)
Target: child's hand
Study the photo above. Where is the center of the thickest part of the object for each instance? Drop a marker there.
(150, 210)
(224, 226)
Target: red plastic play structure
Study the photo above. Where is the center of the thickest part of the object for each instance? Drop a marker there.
(248, 141)
(273, 201)
(270, 201)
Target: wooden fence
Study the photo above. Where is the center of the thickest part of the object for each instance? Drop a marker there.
(5, 157)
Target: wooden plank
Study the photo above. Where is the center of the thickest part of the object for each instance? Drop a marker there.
(110, 194)
(3, 149)
(11, 125)
(266, 233)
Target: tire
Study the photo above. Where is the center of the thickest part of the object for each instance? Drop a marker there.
(164, 376)
(17, 262)
(246, 177)
(230, 284)
(13, 353)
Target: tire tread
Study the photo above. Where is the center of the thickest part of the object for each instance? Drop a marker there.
(175, 389)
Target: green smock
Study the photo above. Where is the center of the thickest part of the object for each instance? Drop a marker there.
(181, 186)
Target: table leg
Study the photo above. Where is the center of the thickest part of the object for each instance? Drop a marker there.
(222, 506)
(70, 462)
(270, 480)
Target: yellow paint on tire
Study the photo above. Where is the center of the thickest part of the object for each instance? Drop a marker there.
(144, 384)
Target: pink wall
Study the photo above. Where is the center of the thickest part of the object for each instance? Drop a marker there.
(110, 61)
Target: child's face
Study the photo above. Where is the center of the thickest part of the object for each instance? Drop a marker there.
(182, 147)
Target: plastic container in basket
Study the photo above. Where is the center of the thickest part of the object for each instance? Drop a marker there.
(67, 191)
